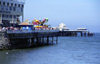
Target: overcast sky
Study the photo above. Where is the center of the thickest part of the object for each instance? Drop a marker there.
(74, 13)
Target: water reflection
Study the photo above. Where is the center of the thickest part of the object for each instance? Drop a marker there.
(70, 50)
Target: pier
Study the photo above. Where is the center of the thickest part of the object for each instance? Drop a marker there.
(76, 33)
(26, 36)
(22, 39)
(25, 39)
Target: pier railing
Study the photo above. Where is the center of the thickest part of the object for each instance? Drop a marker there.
(30, 31)
(31, 34)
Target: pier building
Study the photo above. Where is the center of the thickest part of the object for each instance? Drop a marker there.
(11, 11)
(62, 27)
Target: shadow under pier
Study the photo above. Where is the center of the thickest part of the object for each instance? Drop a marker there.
(31, 39)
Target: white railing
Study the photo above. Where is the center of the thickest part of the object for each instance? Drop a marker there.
(30, 31)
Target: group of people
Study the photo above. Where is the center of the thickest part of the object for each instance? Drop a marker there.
(22, 28)
(8, 28)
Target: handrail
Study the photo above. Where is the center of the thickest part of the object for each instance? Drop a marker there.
(30, 31)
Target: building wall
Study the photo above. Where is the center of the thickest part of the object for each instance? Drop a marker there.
(10, 10)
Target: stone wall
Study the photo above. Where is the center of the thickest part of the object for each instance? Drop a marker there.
(3, 41)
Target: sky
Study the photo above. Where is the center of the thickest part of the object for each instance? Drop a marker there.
(74, 13)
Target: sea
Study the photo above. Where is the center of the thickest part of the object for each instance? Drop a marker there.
(69, 50)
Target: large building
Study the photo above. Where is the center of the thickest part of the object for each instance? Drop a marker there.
(11, 11)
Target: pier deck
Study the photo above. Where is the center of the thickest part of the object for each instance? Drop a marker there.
(22, 39)
(25, 38)
(32, 34)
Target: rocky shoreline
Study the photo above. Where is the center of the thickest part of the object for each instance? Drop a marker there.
(3, 41)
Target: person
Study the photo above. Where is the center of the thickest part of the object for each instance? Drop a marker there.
(15, 28)
(3, 29)
(0, 28)
(11, 28)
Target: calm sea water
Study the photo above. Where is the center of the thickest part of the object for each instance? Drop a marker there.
(69, 50)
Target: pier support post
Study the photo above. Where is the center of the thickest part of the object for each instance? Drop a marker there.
(52, 40)
(30, 42)
(57, 40)
(33, 41)
(43, 40)
(81, 34)
(37, 40)
(40, 40)
(47, 40)
(88, 34)
(85, 34)
(75, 33)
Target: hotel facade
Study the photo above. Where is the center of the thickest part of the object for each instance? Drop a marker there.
(11, 11)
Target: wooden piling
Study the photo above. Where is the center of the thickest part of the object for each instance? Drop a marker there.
(52, 40)
(75, 33)
(33, 42)
(81, 34)
(37, 40)
(85, 34)
(57, 40)
(47, 40)
(30, 42)
(43, 40)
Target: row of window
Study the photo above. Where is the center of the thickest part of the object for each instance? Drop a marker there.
(11, 9)
(9, 16)
(11, 4)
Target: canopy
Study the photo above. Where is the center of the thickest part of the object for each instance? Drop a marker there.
(38, 26)
(24, 23)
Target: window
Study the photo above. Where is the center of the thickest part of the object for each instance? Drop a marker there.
(11, 4)
(7, 16)
(10, 8)
(19, 5)
(7, 4)
(22, 5)
(14, 9)
(21, 9)
(0, 2)
(4, 3)
(2, 8)
(6, 8)
(10, 16)
(14, 16)
(3, 15)
(15, 5)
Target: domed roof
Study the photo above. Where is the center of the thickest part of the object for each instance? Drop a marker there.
(24, 23)
(62, 24)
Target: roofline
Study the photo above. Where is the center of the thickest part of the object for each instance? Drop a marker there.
(15, 1)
